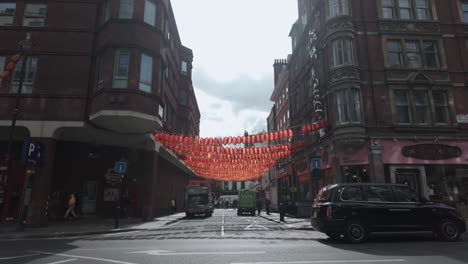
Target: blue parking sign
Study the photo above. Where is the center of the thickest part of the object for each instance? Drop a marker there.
(32, 152)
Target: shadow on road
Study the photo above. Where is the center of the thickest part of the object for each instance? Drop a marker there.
(398, 245)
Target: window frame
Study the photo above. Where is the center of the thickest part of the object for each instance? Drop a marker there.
(100, 72)
(413, 9)
(29, 84)
(131, 10)
(463, 11)
(343, 8)
(143, 85)
(354, 109)
(117, 77)
(446, 106)
(12, 16)
(34, 16)
(154, 19)
(431, 106)
(420, 52)
(345, 43)
(184, 71)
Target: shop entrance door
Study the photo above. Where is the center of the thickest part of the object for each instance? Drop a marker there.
(413, 176)
(89, 197)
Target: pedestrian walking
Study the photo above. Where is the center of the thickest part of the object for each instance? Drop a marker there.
(14, 197)
(259, 206)
(173, 206)
(267, 206)
(71, 207)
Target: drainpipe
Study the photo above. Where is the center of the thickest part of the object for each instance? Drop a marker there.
(371, 74)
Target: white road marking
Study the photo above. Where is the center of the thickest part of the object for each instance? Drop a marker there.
(84, 257)
(326, 261)
(222, 226)
(62, 261)
(169, 253)
(120, 233)
(255, 226)
(15, 257)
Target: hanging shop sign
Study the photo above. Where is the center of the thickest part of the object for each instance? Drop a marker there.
(431, 151)
(462, 118)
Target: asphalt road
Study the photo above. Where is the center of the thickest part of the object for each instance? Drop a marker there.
(228, 238)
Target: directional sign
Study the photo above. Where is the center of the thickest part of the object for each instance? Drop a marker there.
(32, 152)
(316, 163)
(120, 167)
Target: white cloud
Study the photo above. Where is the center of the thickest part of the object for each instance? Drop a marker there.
(234, 45)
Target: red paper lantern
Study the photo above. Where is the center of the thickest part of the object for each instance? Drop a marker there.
(225, 140)
(15, 58)
(4, 74)
(290, 133)
(10, 66)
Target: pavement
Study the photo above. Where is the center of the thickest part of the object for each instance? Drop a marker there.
(226, 238)
(96, 226)
(84, 226)
(289, 221)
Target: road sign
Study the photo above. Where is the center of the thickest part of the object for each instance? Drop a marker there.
(32, 152)
(120, 167)
(316, 163)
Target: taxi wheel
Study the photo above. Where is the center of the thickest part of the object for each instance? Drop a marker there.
(355, 232)
(448, 230)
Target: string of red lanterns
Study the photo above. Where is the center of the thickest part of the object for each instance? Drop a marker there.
(211, 159)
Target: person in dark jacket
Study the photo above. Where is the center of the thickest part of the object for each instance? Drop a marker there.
(259, 206)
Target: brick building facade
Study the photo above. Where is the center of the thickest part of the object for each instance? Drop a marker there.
(101, 78)
(392, 79)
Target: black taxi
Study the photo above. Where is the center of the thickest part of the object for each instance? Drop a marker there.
(356, 209)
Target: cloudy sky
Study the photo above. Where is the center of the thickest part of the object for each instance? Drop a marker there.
(234, 43)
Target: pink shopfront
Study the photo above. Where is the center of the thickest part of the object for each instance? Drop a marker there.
(438, 169)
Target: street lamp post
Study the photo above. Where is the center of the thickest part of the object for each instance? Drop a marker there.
(25, 46)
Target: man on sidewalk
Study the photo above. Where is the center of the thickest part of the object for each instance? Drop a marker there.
(267, 206)
(71, 207)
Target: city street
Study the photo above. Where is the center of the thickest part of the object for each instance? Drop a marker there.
(228, 238)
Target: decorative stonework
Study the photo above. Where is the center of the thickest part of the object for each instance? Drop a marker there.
(340, 23)
(408, 26)
(344, 73)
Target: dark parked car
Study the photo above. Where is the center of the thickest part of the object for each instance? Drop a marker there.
(354, 210)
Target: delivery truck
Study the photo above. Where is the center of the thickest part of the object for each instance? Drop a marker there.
(198, 200)
(246, 202)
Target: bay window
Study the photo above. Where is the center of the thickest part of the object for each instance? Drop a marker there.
(342, 52)
(146, 73)
(150, 12)
(121, 65)
(337, 8)
(349, 106)
(126, 9)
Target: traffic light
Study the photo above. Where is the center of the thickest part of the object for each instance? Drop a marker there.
(10, 67)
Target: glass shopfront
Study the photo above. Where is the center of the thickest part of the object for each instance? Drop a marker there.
(356, 173)
(448, 182)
